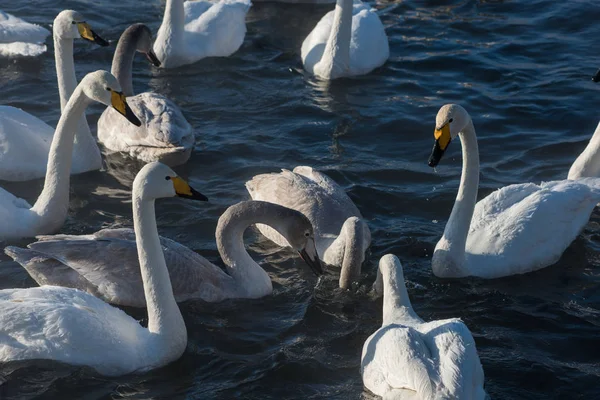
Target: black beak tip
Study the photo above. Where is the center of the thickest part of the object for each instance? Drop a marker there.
(198, 196)
(596, 77)
(98, 40)
(432, 163)
(153, 59)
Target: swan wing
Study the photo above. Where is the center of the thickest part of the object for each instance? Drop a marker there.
(217, 30)
(24, 145)
(164, 129)
(459, 368)
(515, 233)
(395, 359)
(369, 47)
(14, 29)
(106, 264)
(70, 326)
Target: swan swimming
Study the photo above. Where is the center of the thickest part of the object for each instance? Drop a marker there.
(347, 41)
(74, 327)
(21, 38)
(48, 214)
(341, 234)
(408, 358)
(514, 230)
(165, 134)
(105, 264)
(193, 30)
(24, 139)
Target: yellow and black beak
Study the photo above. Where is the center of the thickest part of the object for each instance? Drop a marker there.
(442, 140)
(118, 102)
(182, 189)
(152, 58)
(596, 77)
(88, 34)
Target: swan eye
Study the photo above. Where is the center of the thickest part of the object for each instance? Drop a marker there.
(450, 120)
(167, 178)
(307, 234)
(107, 88)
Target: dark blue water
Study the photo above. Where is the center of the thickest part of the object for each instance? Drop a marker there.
(521, 68)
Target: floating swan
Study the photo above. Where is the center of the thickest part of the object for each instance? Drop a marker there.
(408, 358)
(348, 41)
(105, 263)
(77, 328)
(516, 229)
(49, 212)
(342, 236)
(20, 38)
(165, 134)
(195, 30)
(24, 139)
(588, 162)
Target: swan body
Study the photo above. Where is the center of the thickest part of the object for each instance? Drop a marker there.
(74, 327)
(193, 30)
(408, 358)
(347, 41)
(49, 212)
(24, 139)
(342, 236)
(516, 229)
(21, 38)
(165, 135)
(105, 264)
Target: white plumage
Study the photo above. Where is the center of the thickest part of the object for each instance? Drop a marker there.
(408, 358)
(516, 229)
(195, 30)
(347, 41)
(21, 38)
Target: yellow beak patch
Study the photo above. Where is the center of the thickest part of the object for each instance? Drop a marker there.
(181, 186)
(117, 100)
(85, 31)
(443, 136)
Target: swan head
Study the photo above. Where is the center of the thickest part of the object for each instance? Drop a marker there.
(69, 24)
(141, 35)
(301, 237)
(104, 88)
(156, 181)
(449, 122)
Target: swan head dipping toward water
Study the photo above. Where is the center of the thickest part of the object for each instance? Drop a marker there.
(451, 120)
(141, 35)
(70, 24)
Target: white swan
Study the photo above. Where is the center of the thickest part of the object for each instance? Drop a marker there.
(342, 236)
(105, 264)
(165, 134)
(21, 38)
(25, 139)
(49, 212)
(348, 41)
(195, 30)
(74, 327)
(516, 229)
(408, 358)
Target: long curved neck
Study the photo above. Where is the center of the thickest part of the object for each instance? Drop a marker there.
(164, 317)
(53, 203)
(250, 277)
(587, 165)
(336, 56)
(122, 63)
(171, 30)
(396, 303)
(353, 237)
(85, 144)
(453, 242)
